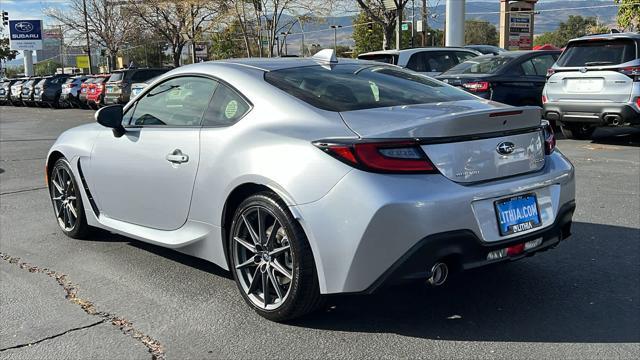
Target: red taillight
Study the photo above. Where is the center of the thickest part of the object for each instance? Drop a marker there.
(549, 137)
(386, 157)
(544, 99)
(476, 86)
(638, 102)
(515, 249)
(632, 72)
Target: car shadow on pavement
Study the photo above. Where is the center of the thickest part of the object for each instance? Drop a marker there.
(617, 136)
(585, 290)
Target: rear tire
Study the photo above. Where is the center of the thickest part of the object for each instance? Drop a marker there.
(268, 249)
(67, 200)
(577, 131)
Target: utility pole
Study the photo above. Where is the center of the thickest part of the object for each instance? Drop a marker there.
(413, 22)
(193, 35)
(61, 48)
(424, 22)
(399, 9)
(335, 37)
(86, 30)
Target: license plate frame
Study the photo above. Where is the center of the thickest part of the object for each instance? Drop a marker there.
(524, 221)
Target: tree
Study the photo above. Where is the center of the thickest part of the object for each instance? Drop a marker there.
(223, 44)
(6, 54)
(109, 24)
(575, 26)
(629, 14)
(367, 37)
(178, 21)
(480, 32)
(47, 67)
(343, 51)
(376, 11)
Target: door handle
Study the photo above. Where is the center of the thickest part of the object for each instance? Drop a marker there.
(177, 157)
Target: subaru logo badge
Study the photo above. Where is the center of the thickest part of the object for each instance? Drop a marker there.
(24, 27)
(505, 148)
(583, 70)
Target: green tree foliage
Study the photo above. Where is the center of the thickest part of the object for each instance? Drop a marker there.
(366, 37)
(47, 67)
(574, 27)
(480, 32)
(5, 53)
(224, 44)
(629, 14)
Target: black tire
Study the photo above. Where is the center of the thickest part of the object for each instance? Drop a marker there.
(303, 295)
(577, 131)
(80, 228)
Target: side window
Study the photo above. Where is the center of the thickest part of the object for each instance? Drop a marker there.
(528, 68)
(416, 62)
(542, 63)
(139, 76)
(226, 107)
(176, 102)
(439, 61)
(464, 56)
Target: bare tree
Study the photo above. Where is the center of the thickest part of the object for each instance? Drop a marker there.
(178, 22)
(109, 25)
(387, 18)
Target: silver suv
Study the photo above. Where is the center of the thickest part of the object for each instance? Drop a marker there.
(595, 82)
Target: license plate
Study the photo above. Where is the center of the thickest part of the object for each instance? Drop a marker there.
(517, 214)
(585, 85)
(109, 89)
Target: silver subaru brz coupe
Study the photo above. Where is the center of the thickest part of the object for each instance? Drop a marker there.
(315, 176)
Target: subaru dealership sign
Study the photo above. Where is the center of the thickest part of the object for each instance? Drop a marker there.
(25, 34)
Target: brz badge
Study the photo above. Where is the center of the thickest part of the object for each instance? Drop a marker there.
(505, 148)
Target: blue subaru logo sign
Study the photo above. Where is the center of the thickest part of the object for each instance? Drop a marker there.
(505, 148)
(23, 27)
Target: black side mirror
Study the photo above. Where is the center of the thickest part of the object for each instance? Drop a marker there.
(111, 117)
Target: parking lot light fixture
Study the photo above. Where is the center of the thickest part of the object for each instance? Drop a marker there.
(335, 36)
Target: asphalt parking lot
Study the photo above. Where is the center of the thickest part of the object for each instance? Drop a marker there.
(113, 297)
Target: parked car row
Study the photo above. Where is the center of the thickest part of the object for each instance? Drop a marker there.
(84, 91)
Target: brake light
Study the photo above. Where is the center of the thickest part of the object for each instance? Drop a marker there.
(386, 157)
(476, 86)
(638, 102)
(549, 137)
(632, 72)
(544, 99)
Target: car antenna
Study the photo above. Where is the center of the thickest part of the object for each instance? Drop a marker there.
(326, 58)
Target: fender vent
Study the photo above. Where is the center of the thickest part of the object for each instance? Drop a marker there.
(94, 207)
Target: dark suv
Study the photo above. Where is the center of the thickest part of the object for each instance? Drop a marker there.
(48, 90)
(595, 82)
(118, 87)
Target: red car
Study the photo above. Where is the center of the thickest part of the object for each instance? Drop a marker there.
(95, 91)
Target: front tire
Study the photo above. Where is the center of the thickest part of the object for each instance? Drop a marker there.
(67, 200)
(271, 260)
(577, 131)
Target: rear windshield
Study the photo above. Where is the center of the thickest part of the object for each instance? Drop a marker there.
(98, 80)
(357, 87)
(480, 65)
(598, 53)
(116, 76)
(385, 58)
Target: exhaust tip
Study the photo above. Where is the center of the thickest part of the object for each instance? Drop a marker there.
(439, 274)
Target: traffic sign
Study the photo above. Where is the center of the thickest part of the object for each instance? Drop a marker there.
(405, 27)
(25, 34)
(82, 61)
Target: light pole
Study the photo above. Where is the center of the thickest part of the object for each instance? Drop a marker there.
(335, 36)
(86, 30)
(285, 33)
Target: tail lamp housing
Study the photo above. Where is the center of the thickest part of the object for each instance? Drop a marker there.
(397, 156)
(549, 137)
(477, 86)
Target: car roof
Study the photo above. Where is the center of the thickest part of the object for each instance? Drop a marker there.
(271, 64)
(625, 35)
(415, 50)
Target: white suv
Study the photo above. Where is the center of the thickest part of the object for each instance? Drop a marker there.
(595, 82)
(429, 61)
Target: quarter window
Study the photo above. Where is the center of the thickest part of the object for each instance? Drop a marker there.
(542, 64)
(226, 107)
(528, 68)
(176, 102)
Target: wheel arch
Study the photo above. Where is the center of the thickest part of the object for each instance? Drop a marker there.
(51, 159)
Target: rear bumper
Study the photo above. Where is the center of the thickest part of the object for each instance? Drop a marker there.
(463, 250)
(596, 113)
(369, 223)
(114, 99)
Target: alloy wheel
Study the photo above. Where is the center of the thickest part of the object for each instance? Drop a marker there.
(263, 258)
(64, 197)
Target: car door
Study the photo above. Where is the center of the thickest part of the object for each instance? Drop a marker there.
(146, 176)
